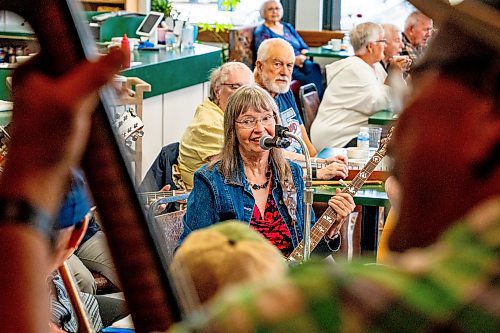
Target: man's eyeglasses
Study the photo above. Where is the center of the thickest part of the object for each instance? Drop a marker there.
(232, 86)
(252, 122)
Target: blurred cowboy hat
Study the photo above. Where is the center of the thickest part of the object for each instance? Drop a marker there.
(479, 19)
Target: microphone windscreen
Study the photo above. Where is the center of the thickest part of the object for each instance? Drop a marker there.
(265, 142)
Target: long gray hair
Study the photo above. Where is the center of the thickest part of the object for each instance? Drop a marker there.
(246, 97)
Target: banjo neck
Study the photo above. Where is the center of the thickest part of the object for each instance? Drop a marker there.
(329, 217)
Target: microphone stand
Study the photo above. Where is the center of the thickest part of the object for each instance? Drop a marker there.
(283, 132)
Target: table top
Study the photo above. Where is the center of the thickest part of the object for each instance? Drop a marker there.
(170, 70)
(368, 195)
(382, 117)
(326, 53)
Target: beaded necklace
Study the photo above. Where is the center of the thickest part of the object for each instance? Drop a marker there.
(257, 187)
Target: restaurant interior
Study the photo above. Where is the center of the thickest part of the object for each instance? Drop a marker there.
(264, 165)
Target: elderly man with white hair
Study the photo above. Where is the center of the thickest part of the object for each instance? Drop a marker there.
(204, 136)
(273, 72)
(305, 70)
(393, 48)
(418, 29)
(354, 91)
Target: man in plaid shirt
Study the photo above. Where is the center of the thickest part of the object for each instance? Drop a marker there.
(447, 159)
(418, 29)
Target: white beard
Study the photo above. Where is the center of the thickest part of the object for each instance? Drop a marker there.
(273, 86)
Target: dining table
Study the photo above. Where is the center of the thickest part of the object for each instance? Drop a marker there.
(326, 52)
(382, 117)
(370, 197)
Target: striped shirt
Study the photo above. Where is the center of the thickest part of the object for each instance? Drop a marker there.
(62, 313)
(452, 286)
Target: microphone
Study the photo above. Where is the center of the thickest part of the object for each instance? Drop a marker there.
(267, 142)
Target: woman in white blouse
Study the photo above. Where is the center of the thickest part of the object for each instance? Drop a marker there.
(354, 90)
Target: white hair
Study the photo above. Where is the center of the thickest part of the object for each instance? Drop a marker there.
(262, 52)
(390, 28)
(363, 34)
(264, 5)
(220, 74)
(413, 19)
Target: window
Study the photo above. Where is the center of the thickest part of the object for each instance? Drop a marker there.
(353, 12)
(378, 11)
(207, 11)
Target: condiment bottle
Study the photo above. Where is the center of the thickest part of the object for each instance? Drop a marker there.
(125, 45)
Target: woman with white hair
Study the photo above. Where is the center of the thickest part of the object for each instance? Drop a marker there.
(304, 69)
(354, 91)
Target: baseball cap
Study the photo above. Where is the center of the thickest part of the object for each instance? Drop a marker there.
(76, 204)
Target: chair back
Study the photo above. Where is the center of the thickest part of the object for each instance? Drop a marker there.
(170, 227)
(295, 87)
(241, 46)
(309, 102)
(160, 173)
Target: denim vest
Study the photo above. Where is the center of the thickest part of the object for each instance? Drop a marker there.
(215, 199)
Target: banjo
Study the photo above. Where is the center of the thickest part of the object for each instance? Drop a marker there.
(327, 220)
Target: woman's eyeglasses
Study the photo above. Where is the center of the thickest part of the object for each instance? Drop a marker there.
(252, 122)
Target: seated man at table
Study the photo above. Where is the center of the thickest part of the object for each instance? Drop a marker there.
(203, 137)
(305, 70)
(449, 286)
(394, 46)
(354, 91)
(273, 72)
(418, 29)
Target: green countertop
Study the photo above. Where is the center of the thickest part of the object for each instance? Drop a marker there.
(382, 117)
(368, 195)
(175, 69)
(166, 71)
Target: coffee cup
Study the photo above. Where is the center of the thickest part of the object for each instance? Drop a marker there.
(405, 58)
(357, 153)
(401, 58)
(335, 43)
